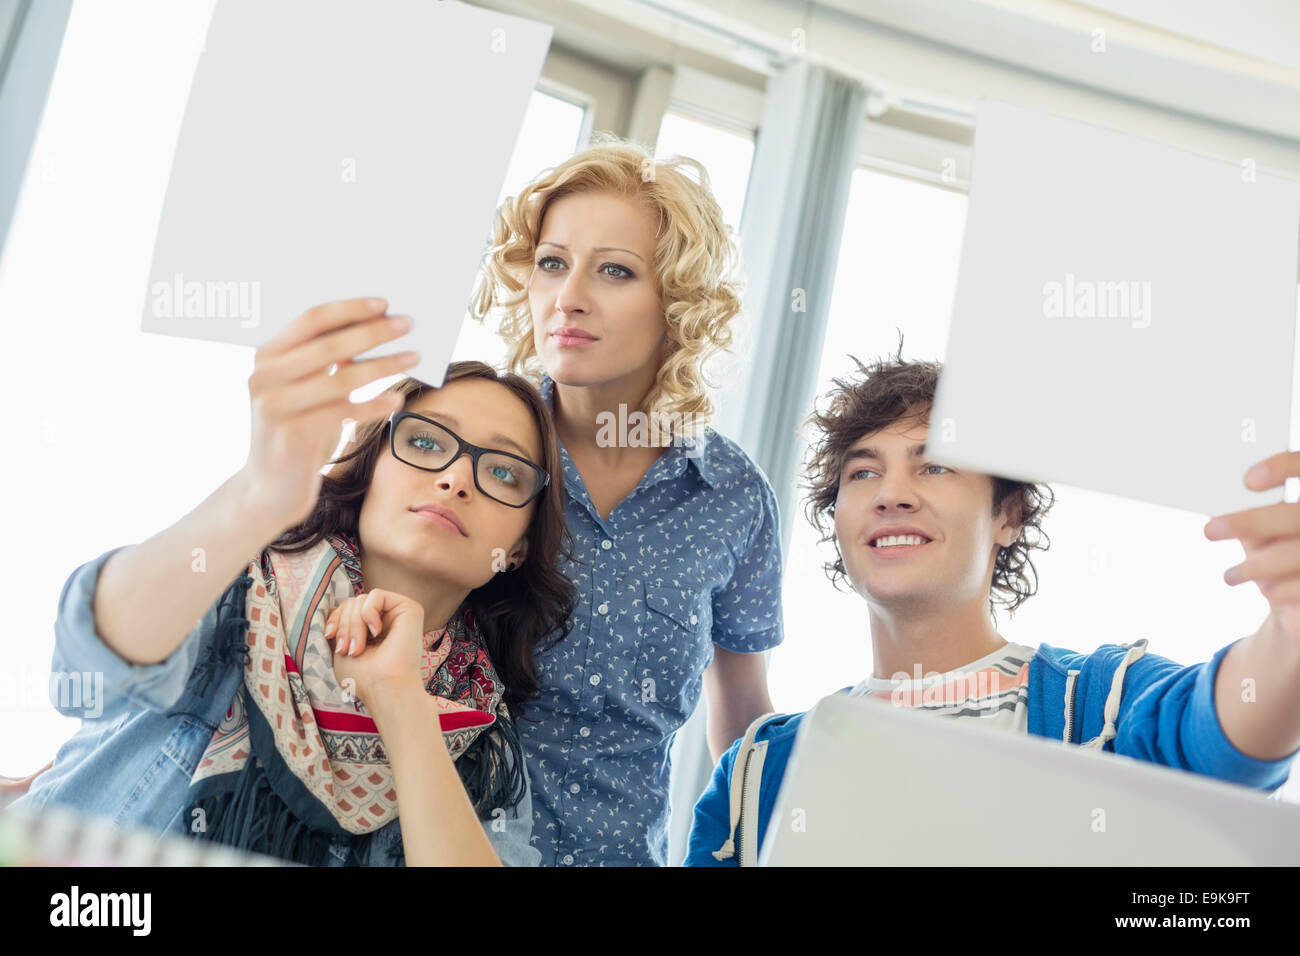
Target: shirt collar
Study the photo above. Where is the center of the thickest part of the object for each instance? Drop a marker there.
(693, 450)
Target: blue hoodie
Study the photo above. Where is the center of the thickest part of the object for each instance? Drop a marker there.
(1165, 714)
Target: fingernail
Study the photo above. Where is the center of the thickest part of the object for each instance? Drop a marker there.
(401, 322)
(374, 631)
(1216, 527)
(338, 645)
(1257, 474)
(1232, 575)
(376, 304)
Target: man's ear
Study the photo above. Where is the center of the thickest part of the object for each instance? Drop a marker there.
(1012, 520)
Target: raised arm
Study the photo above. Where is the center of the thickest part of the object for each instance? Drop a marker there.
(150, 594)
(1257, 690)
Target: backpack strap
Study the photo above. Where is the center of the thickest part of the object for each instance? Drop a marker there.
(728, 849)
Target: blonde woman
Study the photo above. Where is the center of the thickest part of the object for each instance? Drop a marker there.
(614, 279)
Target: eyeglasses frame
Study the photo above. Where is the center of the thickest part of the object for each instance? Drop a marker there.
(463, 447)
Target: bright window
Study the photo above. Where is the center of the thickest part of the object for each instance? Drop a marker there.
(725, 154)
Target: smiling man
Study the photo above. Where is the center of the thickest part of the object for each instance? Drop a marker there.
(931, 549)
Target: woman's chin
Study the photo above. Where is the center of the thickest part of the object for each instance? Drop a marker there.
(447, 563)
(572, 370)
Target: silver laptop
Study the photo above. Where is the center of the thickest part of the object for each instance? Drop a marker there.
(873, 784)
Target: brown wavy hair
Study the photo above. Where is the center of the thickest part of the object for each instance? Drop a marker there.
(889, 391)
(696, 261)
(516, 610)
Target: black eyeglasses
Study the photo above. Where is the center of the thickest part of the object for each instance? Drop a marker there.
(423, 443)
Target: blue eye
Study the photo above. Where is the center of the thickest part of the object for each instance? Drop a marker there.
(622, 273)
(504, 474)
(853, 476)
(430, 443)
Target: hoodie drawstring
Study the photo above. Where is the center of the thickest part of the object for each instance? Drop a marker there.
(728, 849)
(1111, 711)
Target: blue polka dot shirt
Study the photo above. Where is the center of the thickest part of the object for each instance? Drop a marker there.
(691, 558)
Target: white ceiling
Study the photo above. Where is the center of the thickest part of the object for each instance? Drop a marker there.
(1267, 29)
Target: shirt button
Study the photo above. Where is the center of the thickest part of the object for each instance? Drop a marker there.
(568, 859)
(574, 788)
(607, 544)
(694, 618)
(593, 680)
(584, 732)
(603, 609)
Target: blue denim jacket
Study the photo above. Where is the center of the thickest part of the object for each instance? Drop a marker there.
(145, 727)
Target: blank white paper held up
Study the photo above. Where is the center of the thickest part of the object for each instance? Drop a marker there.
(1125, 315)
(332, 150)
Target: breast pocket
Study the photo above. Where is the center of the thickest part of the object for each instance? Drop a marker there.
(165, 780)
(675, 647)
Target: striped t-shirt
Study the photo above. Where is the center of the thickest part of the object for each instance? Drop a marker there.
(994, 689)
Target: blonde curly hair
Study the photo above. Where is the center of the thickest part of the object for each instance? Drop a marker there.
(696, 260)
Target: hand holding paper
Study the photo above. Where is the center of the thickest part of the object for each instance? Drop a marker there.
(1270, 536)
(299, 399)
(329, 148)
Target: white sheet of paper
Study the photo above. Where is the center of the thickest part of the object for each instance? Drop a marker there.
(332, 150)
(1125, 315)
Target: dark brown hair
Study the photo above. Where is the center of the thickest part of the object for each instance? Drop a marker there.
(515, 610)
(892, 391)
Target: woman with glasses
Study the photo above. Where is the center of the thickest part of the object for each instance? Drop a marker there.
(374, 652)
(614, 276)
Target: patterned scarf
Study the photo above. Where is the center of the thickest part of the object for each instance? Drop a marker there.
(319, 772)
